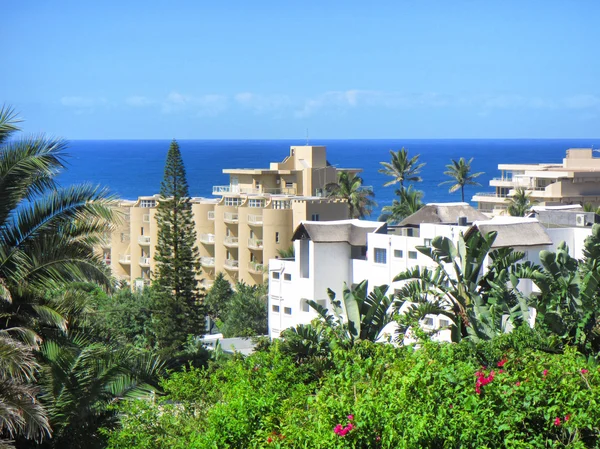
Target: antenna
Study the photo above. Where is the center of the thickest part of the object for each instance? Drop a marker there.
(306, 136)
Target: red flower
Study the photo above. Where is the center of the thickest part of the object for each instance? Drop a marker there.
(269, 440)
(350, 417)
(567, 417)
(518, 384)
(584, 371)
(545, 373)
(502, 362)
(557, 421)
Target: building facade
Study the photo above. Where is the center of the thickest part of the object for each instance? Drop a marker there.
(237, 233)
(575, 181)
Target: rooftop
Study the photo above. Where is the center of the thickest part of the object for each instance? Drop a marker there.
(352, 231)
(446, 213)
(513, 232)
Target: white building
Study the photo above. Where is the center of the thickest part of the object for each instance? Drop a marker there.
(329, 254)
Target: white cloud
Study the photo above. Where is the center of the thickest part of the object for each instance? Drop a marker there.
(139, 101)
(204, 105)
(83, 102)
(585, 101)
(262, 104)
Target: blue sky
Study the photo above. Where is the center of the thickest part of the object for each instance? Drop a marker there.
(272, 69)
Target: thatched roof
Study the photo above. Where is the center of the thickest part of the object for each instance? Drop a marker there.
(513, 232)
(353, 232)
(445, 213)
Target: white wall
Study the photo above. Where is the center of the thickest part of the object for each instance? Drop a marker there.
(574, 237)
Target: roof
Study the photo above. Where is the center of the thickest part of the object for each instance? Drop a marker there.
(353, 232)
(447, 213)
(513, 232)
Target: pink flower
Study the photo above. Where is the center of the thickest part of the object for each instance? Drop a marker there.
(377, 438)
(500, 371)
(567, 417)
(584, 371)
(337, 429)
(557, 421)
(545, 373)
(518, 384)
(502, 362)
(350, 417)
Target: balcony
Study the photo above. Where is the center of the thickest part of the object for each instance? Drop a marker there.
(144, 240)
(125, 259)
(207, 239)
(146, 218)
(231, 217)
(211, 214)
(231, 241)
(255, 220)
(232, 265)
(145, 261)
(223, 190)
(280, 191)
(256, 268)
(208, 262)
(255, 243)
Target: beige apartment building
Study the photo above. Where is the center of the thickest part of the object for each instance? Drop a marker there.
(250, 221)
(575, 181)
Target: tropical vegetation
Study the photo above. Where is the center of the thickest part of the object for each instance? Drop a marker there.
(350, 188)
(401, 168)
(520, 203)
(460, 176)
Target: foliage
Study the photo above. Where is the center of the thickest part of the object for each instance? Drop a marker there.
(461, 176)
(410, 201)
(358, 315)
(479, 304)
(177, 310)
(246, 312)
(402, 168)
(520, 203)
(287, 253)
(47, 237)
(393, 397)
(350, 187)
(218, 298)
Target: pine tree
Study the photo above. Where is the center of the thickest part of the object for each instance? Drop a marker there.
(178, 310)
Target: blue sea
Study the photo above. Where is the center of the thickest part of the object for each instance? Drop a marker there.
(131, 168)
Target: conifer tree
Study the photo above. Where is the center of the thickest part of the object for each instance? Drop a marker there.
(178, 310)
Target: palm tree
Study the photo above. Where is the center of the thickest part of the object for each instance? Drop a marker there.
(47, 237)
(520, 203)
(401, 168)
(460, 172)
(349, 187)
(409, 203)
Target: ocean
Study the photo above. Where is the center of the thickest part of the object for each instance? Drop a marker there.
(131, 168)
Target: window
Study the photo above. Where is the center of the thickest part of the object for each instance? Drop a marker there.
(398, 254)
(305, 307)
(427, 242)
(142, 230)
(412, 254)
(287, 277)
(277, 237)
(428, 321)
(275, 275)
(147, 203)
(380, 255)
(279, 204)
(124, 237)
(275, 309)
(289, 184)
(444, 323)
(232, 201)
(287, 310)
(256, 203)
(315, 217)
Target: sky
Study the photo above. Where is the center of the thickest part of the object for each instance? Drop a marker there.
(279, 69)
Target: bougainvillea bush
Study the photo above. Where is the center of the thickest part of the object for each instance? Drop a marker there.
(496, 394)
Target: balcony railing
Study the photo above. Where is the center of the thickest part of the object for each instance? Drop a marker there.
(231, 217)
(125, 258)
(145, 261)
(144, 240)
(219, 190)
(207, 261)
(231, 264)
(255, 220)
(255, 243)
(490, 194)
(231, 241)
(280, 191)
(207, 238)
(255, 267)
(211, 214)
(146, 218)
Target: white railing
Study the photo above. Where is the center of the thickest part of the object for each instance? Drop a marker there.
(146, 218)
(144, 240)
(125, 258)
(255, 219)
(255, 243)
(145, 261)
(231, 264)
(231, 241)
(207, 261)
(280, 191)
(490, 194)
(207, 238)
(231, 217)
(211, 214)
(256, 267)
